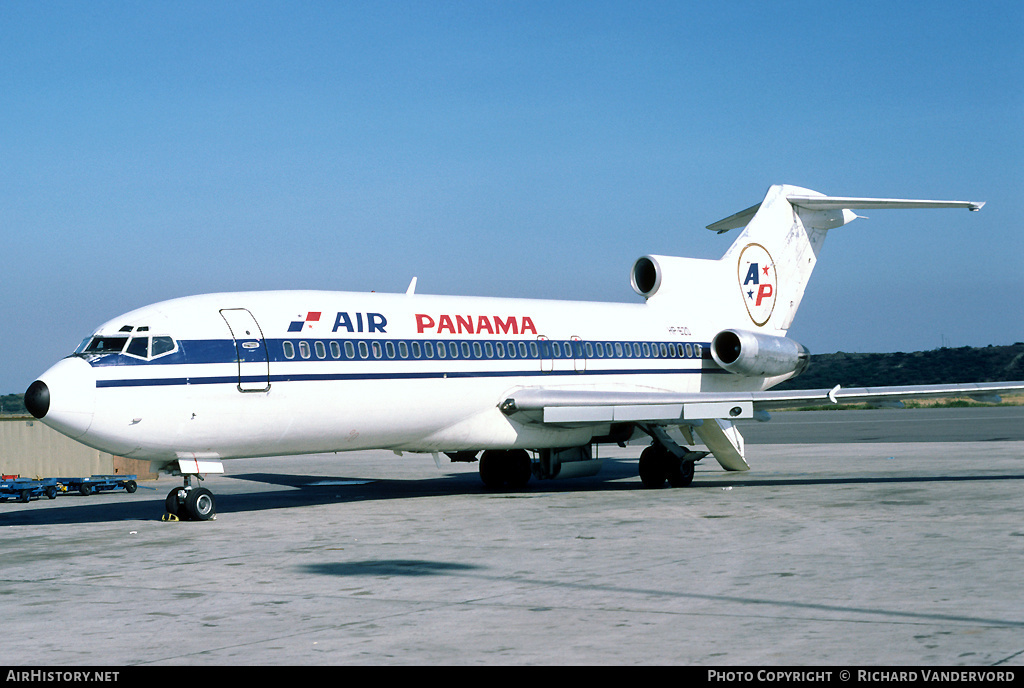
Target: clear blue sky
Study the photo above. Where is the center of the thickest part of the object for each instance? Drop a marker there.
(150, 150)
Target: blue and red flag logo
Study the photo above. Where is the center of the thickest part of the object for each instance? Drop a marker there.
(758, 283)
(300, 325)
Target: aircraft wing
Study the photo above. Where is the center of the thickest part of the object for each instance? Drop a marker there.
(583, 407)
(712, 414)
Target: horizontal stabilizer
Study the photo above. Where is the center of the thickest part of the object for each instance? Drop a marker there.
(808, 202)
(849, 203)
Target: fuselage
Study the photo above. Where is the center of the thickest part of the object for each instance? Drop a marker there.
(246, 374)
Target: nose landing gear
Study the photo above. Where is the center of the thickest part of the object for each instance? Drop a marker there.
(189, 503)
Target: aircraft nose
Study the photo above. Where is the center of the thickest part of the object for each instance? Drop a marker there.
(37, 399)
(64, 397)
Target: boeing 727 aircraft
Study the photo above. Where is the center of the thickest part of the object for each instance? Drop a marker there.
(526, 387)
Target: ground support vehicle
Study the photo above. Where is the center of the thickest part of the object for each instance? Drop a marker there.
(27, 489)
(101, 483)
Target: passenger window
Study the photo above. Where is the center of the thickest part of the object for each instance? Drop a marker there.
(453, 349)
(377, 351)
(477, 353)
(500, 348)
(350, 350)
(415, 349)
(335, 350)
(304, 349)
(442, 350)
(428, 349)
(489, 349)
(321, 351)
(364, 351)
(289, 350)
(465, 349)
(689, 351)
(647, 350)
(389, 348)
(139, 346)
(403, 349)
(533, 350)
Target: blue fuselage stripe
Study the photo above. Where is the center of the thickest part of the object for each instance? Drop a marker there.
(379, 351)
(431, 375)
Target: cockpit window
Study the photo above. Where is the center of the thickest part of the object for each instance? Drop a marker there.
(139, 346)
(143, 346)
(106, 345)
(161, 346)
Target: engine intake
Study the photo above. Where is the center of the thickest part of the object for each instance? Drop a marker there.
(753, 354)
(645, 277)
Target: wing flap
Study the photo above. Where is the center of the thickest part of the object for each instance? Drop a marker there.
(583, 407)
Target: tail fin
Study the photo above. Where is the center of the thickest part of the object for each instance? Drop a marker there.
(760, 281)
(777, 251)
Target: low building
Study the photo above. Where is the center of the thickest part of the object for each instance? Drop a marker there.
(32, 450)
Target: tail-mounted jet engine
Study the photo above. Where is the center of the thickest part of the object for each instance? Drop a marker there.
(753, 354)
(645, 277)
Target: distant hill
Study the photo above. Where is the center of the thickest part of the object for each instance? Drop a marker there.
(964, 364)
(13, 404)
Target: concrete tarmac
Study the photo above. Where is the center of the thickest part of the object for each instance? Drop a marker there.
(867, 553)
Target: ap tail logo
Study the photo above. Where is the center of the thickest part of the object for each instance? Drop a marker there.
(299, 325)
(758, 283)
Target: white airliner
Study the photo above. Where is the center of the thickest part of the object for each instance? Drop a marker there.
(531, 384)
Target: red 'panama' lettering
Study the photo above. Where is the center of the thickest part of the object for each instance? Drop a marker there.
(469, 324)
(423, 322)
(506, 326)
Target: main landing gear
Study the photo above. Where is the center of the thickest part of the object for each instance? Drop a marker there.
(666, 460)
(189, 503)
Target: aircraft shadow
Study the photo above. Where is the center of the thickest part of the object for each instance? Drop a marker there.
(298, 491)
(305, 490)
